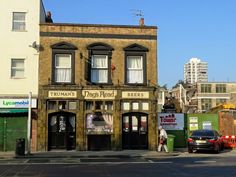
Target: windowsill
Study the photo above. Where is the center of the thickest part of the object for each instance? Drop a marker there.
(18, 77)
(99, 84)
(63, 83)
(19, 30)
(135, 84)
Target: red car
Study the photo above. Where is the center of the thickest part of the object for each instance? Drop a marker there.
(205, 140)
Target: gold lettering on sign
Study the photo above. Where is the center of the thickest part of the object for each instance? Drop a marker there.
(99, 94)
(62, 94)
(142, 95)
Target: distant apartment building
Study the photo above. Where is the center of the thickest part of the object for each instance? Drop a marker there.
(212, 94)
(19, 42)
(195, 71)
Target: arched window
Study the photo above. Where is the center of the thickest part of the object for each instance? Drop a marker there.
(99, 64)
(135, 64)
(63, 58)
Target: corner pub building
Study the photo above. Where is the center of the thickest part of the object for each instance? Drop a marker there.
(97, 87)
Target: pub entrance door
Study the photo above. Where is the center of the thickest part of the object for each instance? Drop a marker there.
(61, 131)
(135, 131)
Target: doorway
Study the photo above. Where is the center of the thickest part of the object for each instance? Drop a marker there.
(61, 131)
(135, 131)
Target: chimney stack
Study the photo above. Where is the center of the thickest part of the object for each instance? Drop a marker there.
(141, 21)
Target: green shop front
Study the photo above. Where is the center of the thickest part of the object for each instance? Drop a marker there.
(13, 121)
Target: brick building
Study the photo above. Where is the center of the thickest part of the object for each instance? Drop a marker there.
(97, 87)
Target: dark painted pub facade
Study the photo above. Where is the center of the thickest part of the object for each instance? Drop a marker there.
(97, 87)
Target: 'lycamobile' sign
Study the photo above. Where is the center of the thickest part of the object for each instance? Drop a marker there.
(17, 103)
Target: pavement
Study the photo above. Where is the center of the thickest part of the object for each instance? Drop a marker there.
(93, 154)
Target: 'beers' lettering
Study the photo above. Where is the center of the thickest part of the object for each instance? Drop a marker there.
(135, 94)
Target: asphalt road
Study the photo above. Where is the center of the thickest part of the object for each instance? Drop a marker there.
(185, 165)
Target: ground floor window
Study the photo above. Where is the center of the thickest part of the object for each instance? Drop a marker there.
(99, 123)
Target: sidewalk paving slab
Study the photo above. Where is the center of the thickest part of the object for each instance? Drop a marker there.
(92, 154)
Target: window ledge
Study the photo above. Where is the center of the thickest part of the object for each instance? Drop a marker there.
(19, 30)
(135, 84)
(18, 77)
(62, 83)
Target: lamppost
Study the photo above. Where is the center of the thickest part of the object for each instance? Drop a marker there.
(29, 125)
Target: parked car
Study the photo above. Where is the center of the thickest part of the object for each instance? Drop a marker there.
(205, 140)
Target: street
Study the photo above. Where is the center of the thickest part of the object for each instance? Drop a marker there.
(183, 165)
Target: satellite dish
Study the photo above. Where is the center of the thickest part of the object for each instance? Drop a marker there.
(34, 45)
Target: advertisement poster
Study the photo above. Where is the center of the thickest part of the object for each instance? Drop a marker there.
(193, 126)
(206, 125)
(99, 123)
(193, 123)
(171, 121)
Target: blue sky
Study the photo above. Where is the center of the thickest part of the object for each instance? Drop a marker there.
(205, 29)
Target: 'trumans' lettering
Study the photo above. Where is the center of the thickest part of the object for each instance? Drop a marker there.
(62, 94)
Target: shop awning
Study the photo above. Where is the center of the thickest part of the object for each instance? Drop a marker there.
(13, 111)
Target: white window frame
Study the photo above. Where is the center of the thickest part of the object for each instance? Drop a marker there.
(62, 67)
(145, 106)
(21, 24)
(101, 68)
(16, 68)
(126, 106)
(141, 69)
(135, 105)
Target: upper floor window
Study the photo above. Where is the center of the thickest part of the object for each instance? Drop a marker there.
(63, 68)
(17, 68)
(206, 104)
(99, 63)
(220, 101)
(205, 88)
(135, 64)
(18, 21)
(220, 88)
(134, 69)
(99, 69)
(63, 59)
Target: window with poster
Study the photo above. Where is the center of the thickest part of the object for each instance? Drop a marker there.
(126, 123)
(99, 123)
(143, 127)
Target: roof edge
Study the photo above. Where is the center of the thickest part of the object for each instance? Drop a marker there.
(99, 25)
